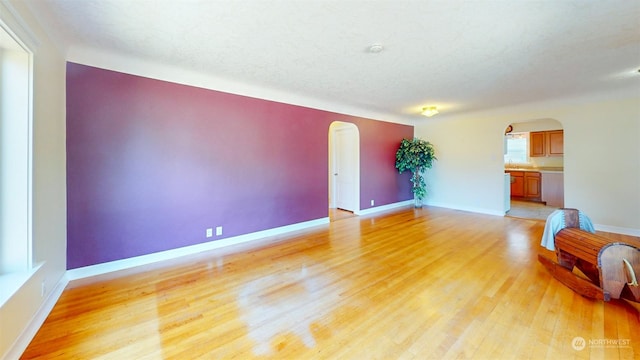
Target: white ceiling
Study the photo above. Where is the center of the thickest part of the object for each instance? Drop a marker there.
(459, 55)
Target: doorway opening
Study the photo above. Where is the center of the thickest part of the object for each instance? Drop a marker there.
(534, 168)
(344, 170)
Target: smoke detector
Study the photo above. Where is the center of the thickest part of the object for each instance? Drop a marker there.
(376, 48)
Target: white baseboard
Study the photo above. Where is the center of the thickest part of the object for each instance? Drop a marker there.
(83, 275)
(599, 227)
(384, 207)
(617, 230)
(75, 275)
(36, 322)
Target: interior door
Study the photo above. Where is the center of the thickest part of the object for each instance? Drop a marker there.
(345, 168)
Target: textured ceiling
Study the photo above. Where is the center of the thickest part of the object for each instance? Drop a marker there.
(459, 55)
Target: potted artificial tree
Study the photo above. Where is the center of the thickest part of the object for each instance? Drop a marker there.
(416, 155)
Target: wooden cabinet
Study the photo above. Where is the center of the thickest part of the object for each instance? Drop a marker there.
(556, 143)
(526, 185)
(537, 144)
(546, 143)
(532, 186)
(517, 183)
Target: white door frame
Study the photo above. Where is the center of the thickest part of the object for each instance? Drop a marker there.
(334, 154)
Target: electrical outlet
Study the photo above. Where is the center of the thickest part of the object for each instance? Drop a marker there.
(43, 289)
(218, 230)
(373, 203)
(209, 232)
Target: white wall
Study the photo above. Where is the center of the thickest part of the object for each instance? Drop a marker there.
(21, 315)
(601, 160)
(537, 125)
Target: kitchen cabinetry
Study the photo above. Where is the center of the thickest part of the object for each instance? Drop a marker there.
(526, 185)
(517, 183)
(546, 143)
(532, 186)
(536, 144)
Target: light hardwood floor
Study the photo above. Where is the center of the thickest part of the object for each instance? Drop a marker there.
(425, 283)
(339, 214)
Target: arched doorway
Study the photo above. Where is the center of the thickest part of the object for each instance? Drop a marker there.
(344, 167)
(535, 182)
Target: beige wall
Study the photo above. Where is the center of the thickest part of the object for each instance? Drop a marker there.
(601, 161)
(22, 312)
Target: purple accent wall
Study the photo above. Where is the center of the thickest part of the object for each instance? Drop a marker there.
(152, 164)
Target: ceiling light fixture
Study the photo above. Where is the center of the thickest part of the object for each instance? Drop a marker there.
(429, 111)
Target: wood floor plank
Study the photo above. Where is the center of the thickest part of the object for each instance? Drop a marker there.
(427, 283)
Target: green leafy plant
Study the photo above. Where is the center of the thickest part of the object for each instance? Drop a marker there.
(415, 155)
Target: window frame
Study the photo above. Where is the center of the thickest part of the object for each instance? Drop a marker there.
(508, 159)
(19, 122)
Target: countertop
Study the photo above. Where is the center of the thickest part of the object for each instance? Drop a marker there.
(548, 170)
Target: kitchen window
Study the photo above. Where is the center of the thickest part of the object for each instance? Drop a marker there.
(516, 147)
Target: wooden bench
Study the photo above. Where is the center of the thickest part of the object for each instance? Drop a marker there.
(611, 268)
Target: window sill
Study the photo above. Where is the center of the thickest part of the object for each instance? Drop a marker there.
(11, 283)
